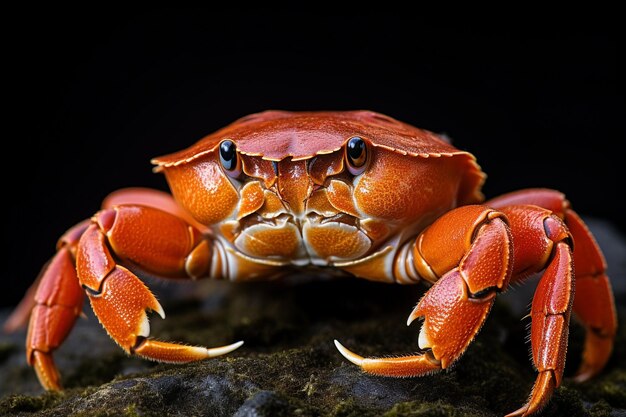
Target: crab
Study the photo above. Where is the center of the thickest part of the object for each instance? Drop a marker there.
(357, 192)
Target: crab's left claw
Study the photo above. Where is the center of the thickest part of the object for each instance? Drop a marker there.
(455, 308)
(452, 319)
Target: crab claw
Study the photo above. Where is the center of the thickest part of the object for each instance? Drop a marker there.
(398, 367)
(348, 354)
(120, 301)
(175, 353)
(121, 308)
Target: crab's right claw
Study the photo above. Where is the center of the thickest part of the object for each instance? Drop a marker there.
(120, 300)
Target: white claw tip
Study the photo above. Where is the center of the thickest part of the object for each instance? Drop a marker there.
(412, 317)
(423, 341)
(222, 350)
(351, 356)
(159, 310)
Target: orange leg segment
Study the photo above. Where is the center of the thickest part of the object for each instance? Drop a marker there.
(20, 315)
(594, 304)
(57, 302)
(542, 239)
(138, 196)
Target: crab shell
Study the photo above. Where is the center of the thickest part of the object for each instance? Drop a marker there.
(297, 203)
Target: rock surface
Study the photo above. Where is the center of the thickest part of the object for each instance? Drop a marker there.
(290, 367)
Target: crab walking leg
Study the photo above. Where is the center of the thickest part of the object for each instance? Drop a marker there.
(470, 249)
(543, 240)
(54, 301)
(135, 196)
(138, 196)
(156, 242)
(594, 304)
(56, 304)
(20, 315)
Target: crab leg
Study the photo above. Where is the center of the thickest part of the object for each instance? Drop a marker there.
(57, 302)
(153, 241)
(56, 298)
(594, 304)
(470, 249)
(135, 196)
(20, 315)
(544, 241)
(138, 196)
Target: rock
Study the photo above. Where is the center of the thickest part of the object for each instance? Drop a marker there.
(290, 367)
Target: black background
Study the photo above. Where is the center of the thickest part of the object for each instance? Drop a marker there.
(95, 97)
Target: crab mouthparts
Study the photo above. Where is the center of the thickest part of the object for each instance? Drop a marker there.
(311, 218)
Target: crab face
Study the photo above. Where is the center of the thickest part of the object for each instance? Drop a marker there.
(319, 187)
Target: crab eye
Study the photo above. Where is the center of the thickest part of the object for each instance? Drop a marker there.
(229, 158)
(356, 155)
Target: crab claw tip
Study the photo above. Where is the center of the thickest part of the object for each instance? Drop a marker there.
(414, 314)
(351, 356)
(157, 308)
(222, 350)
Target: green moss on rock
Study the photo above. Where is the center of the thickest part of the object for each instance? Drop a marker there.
(290, 367)
(14, 404)
(429, 409)
(351, 408)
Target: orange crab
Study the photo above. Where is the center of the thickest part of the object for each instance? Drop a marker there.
(357, 192)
